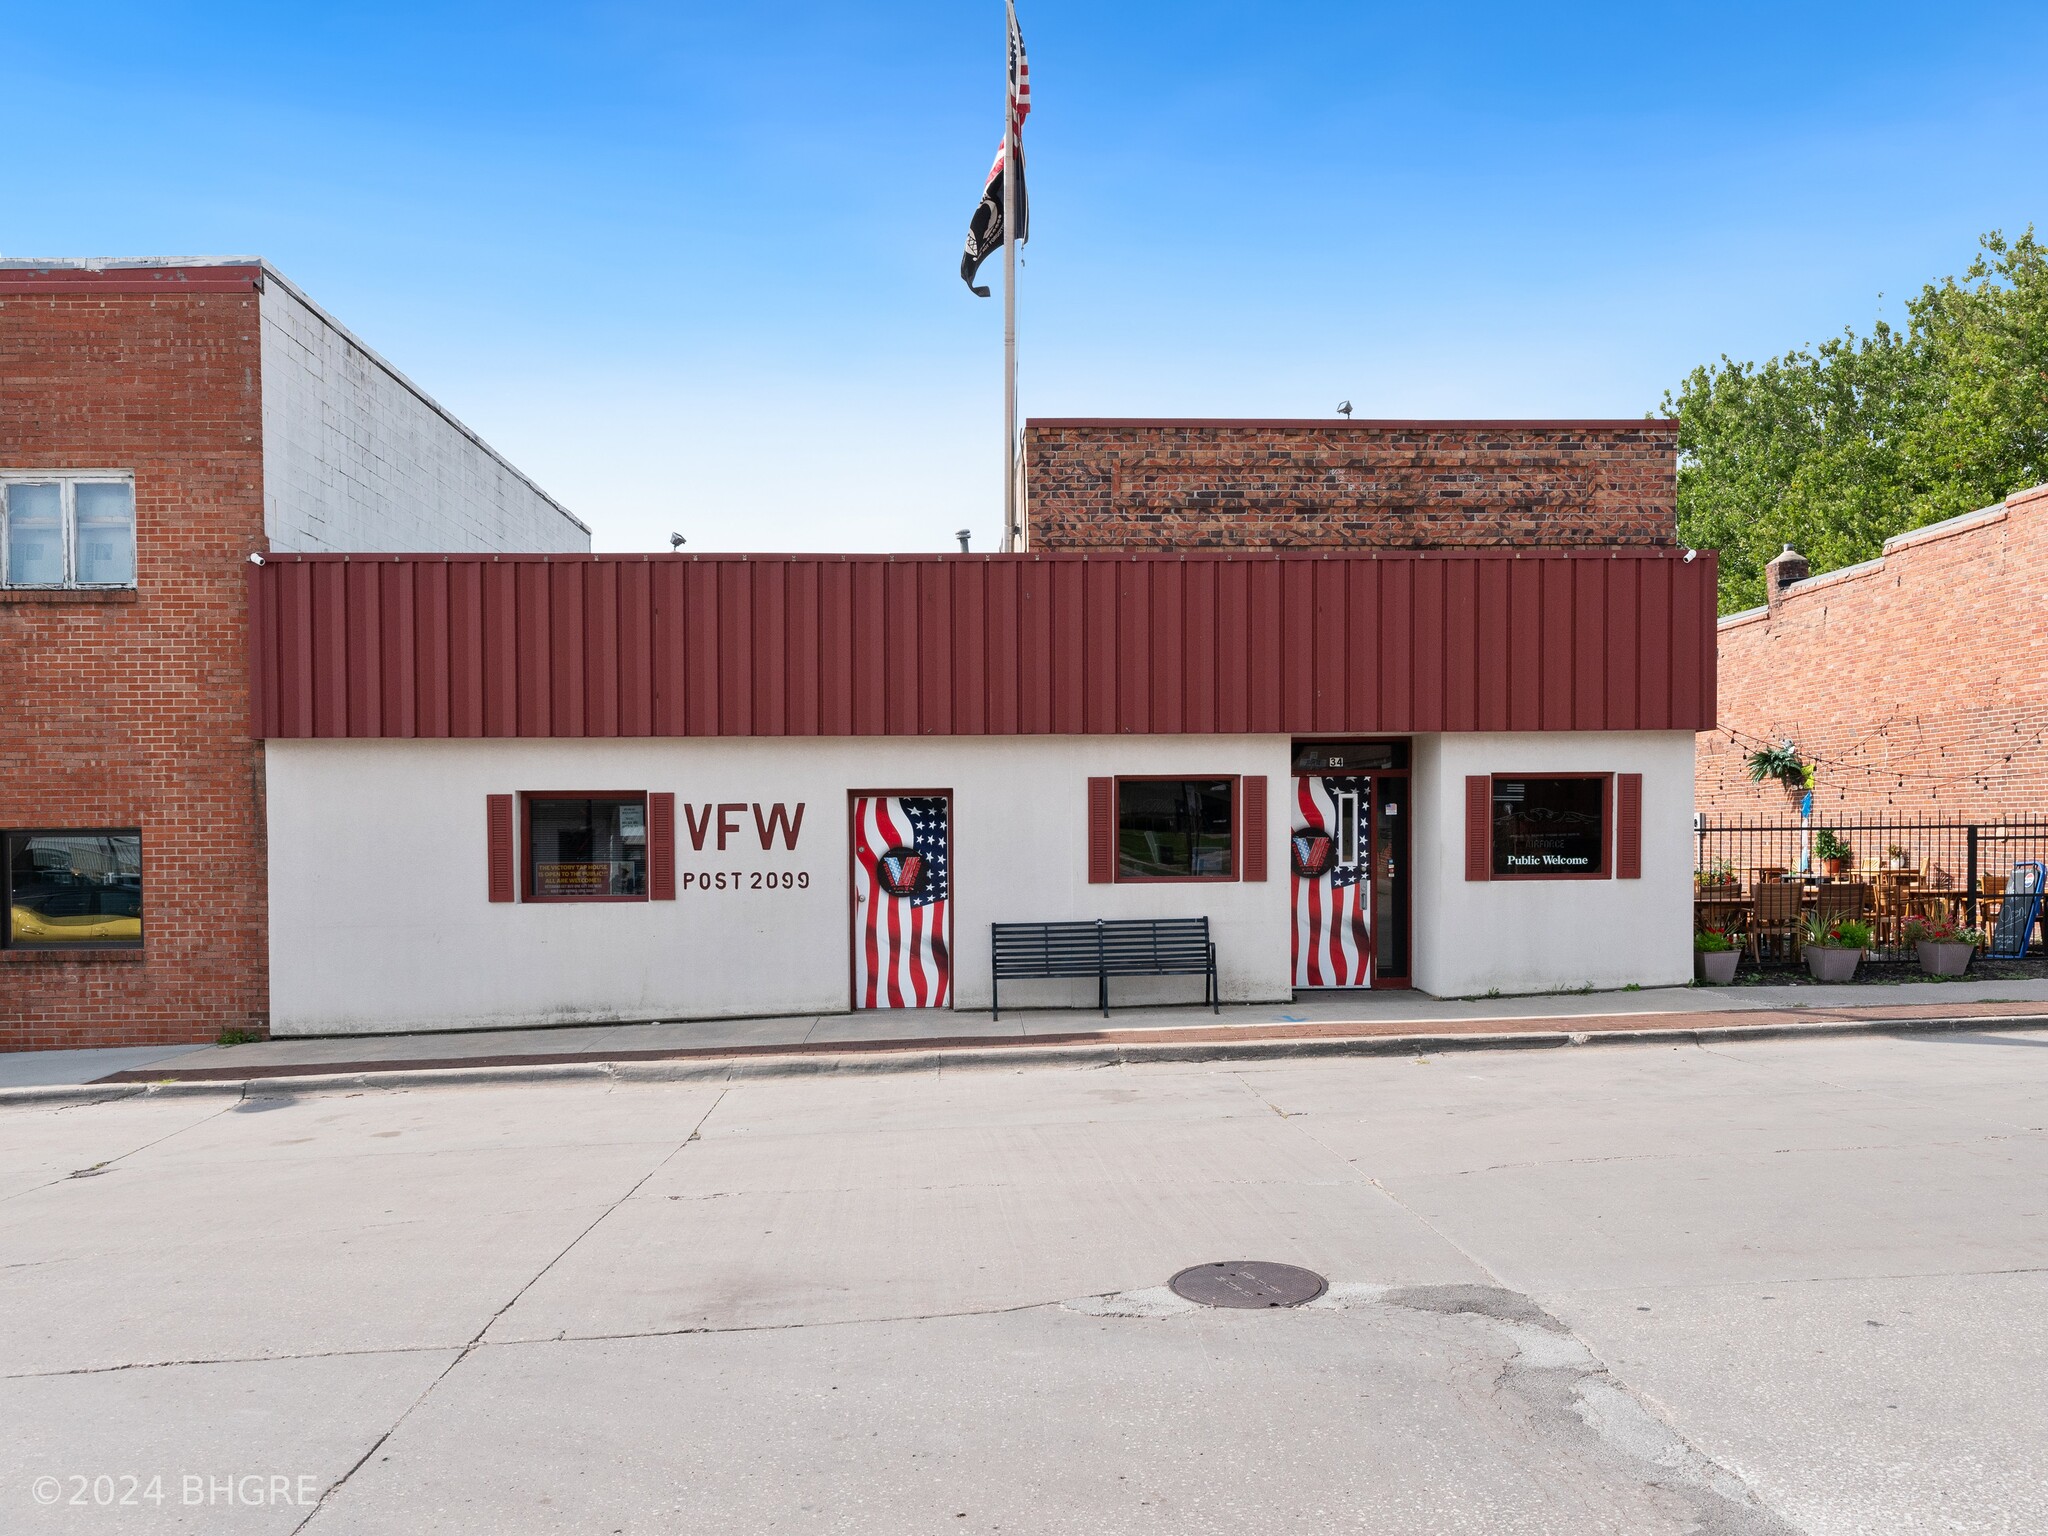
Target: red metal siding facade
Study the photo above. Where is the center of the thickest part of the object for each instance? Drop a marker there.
(1309, 642)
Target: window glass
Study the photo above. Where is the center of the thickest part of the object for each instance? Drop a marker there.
(35, 535)
(578, 848)
(105, 519)
(1169, 829)
(82, 888)
(1348, 756)
(1549, 826)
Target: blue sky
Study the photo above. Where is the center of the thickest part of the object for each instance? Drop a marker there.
(695, 267)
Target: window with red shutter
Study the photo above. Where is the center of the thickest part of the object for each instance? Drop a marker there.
(661, 847)
(1479, 826)
(1101, 831)
(498, 820)
(1628, 826)
(1254, 823)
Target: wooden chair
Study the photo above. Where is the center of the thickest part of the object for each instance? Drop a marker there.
(1774, 915)
(1889, 904)
(1844, 898)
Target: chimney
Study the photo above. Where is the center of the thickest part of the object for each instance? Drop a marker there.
(1789, 567)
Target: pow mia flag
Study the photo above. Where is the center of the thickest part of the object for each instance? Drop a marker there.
(985, 232)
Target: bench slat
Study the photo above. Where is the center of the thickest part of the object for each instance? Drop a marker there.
(1169, 946)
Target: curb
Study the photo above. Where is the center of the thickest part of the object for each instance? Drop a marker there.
(993, 1058)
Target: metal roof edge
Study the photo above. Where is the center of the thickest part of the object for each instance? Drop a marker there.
(1746, 616)
(1340, 423)
(1962, 522)
(120, 263)
(1108, 556)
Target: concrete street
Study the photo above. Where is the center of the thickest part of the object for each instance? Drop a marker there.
(1756, 1287)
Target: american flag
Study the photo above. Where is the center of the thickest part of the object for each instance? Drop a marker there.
(901, 954)
(1332, 940)
(985, 232)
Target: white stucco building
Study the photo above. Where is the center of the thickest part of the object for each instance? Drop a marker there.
(514, 791)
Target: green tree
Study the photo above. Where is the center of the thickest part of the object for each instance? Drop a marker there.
(1837, 448)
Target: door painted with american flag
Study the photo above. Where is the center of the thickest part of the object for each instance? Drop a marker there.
(1330, 854)
(902, 914)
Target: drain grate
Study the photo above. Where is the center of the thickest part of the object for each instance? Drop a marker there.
(1248, 1283)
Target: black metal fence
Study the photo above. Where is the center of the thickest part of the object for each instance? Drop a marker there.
(1731, 856)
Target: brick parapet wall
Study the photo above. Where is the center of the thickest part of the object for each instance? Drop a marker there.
(1281, 485)
(1917, 684)
(132, 709)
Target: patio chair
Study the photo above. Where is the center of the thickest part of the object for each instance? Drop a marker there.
(1844, 898)
(1774, 918)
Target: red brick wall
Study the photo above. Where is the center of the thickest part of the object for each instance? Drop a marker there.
(1289, 484)
(133, 712)
(1918, 687)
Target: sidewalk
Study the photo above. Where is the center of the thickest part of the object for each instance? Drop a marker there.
(1318, 1022)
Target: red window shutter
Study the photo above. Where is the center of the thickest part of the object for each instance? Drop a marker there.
(498, 816)
(1101, 831)
(661, 847)
(1628, 826)
(1254, 792)
(1478, 826)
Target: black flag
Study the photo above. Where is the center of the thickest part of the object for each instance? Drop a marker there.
(985, 232)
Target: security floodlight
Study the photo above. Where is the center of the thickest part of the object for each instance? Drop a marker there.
(676, 541)
(963, 536)
(1344, 409)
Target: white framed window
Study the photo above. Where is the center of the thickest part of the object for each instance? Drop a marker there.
(72, 528)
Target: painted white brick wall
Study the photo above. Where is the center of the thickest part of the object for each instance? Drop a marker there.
(356, 458)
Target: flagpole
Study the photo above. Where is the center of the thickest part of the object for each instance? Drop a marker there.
(1010, 173)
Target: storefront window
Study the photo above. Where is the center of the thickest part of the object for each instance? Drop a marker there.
(586, 847)
(1550, 826)
(1174, 829)
(69, 890)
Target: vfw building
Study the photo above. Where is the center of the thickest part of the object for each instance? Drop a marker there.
(523, 790)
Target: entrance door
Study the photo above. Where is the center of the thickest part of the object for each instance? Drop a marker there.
(902, 919)
(1330, 852)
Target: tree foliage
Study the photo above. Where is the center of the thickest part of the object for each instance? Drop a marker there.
(1835, 449)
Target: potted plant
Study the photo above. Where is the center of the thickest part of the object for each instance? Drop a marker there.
(1895, 857)
(1834, 946)
(1717, 878)
(1714, 955)
(1782, 763)
(1943, 948)
(1834, 854)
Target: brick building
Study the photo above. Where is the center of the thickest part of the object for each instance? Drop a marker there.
(160, 422)
(1145, 484)
(1916, 683)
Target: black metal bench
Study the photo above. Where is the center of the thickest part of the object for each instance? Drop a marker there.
(1167, 946)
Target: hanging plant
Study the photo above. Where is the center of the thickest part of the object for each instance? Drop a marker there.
(1781, 762)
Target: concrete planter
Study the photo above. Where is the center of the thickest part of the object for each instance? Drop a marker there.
(1715, 967)
(1828, 963)
(1944, 959)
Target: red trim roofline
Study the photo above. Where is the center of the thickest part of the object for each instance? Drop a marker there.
(1321, 423)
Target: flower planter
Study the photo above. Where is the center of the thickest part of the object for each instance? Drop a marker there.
(1944, 959)
(1716, 967)
(1828, 963)
(1833, 868)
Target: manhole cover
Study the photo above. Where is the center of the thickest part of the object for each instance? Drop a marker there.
(1248, 1283)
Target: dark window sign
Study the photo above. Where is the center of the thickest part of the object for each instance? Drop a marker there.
(1549, 826)
(1349, 756)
